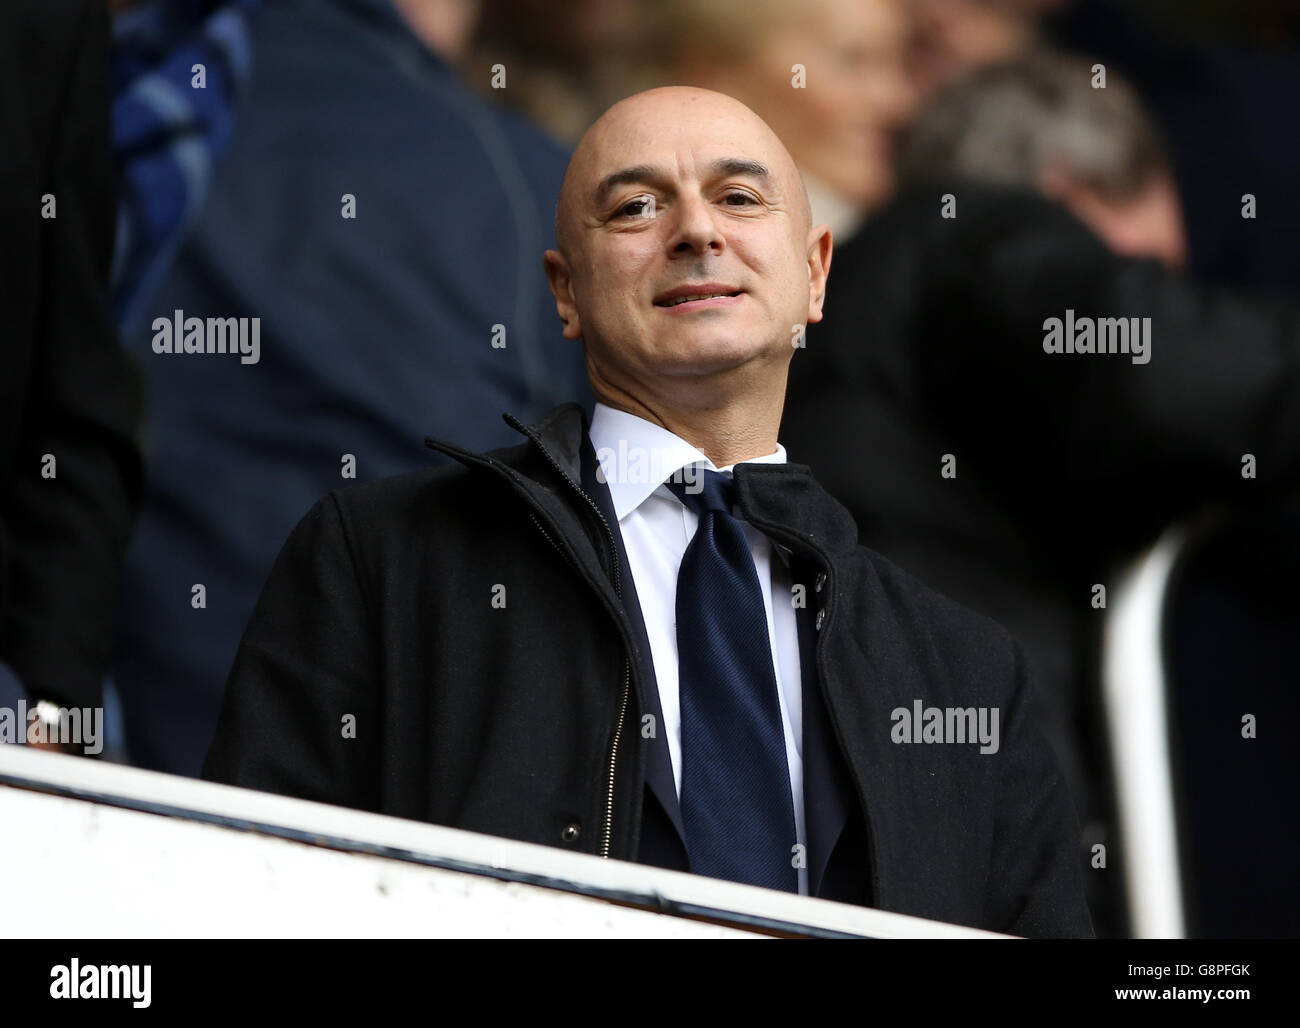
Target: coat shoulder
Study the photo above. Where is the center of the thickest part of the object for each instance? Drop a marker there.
(936, 621)
(391, 496)
(406, 506)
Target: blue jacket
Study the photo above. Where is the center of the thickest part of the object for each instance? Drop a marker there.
(375, 330)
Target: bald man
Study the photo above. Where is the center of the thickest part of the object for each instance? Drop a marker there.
(649, 637)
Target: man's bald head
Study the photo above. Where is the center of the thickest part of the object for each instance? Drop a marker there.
(688, 263)
(614, 133)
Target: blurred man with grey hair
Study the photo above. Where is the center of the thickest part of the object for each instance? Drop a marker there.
(1070, 130)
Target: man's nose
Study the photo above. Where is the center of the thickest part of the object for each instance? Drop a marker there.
(695, 229)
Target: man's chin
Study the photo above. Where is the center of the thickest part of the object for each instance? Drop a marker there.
(710, 356)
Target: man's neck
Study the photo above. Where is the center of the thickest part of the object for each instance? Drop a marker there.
(727, 434)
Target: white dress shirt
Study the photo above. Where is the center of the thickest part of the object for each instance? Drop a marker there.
(636, 457)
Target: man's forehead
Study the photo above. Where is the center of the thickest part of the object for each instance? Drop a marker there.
(692, 145)
(677, 132)
(657, 122)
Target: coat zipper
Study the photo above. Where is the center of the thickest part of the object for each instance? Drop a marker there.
(613, 759)
(607, 841)
(622, 714)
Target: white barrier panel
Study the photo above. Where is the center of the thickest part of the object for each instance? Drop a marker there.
(1133, 687)
(94, 850)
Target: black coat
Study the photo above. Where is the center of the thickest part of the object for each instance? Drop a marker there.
(66, 387)
(520, 720)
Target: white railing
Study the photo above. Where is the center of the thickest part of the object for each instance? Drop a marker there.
(1133, 690)
(105, 851)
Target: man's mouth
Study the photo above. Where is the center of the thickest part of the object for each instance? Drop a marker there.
(696, 294)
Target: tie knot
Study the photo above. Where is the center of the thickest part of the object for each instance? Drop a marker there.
(704, 490)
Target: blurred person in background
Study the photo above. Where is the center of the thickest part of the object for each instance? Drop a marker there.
(69, 396)
(1042, 123)
(829, 76)
(953, 38)
(382, 226)
(563, 63)
(1029, 194)
(178, 71)
(1220, 78)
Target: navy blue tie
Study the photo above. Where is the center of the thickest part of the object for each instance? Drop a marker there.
(736, 803)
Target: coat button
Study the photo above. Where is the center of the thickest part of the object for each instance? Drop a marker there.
(571, 832)
(821, 616)
(821, 580)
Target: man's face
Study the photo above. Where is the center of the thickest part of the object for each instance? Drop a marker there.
(686, 249)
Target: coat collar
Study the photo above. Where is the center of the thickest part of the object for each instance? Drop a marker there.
(783, 500)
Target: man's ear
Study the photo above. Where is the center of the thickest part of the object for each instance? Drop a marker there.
(561, 283)
(819, 267)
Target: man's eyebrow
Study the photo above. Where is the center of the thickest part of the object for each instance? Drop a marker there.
(636, 173)
(650, 172)
(741, 166)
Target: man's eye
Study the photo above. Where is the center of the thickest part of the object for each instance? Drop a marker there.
(642, 206)
(738, 199)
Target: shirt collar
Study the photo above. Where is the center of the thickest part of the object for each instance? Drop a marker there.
(636, 456)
